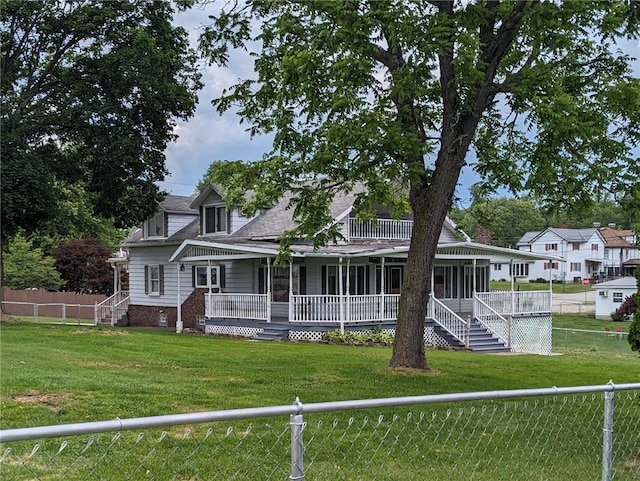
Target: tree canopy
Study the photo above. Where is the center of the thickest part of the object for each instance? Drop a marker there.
(90, 94)
(394, 94)
(83, 265)
(27, 267)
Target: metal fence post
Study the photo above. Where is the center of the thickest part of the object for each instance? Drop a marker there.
(607, 445)
(297, 446)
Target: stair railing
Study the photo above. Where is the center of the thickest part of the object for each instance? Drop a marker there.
(447, 319)
(493, 321)
(113, 308)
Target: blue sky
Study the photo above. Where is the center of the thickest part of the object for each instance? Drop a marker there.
(208, 136)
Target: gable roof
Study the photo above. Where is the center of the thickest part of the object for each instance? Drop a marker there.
(568, 235)
(624, 282)
(615, 237)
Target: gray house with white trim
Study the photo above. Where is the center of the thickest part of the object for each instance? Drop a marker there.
(212, 268)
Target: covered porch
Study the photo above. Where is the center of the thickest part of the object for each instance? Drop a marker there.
(357, 285)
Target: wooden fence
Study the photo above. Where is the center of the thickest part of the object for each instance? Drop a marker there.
(49, 304)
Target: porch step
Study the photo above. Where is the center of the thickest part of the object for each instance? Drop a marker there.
(443, 333)
(272, 333)
(482, 340)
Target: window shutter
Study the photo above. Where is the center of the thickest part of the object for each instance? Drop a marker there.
(222, 280)
(228, 221)
(324, 280)
(303, 280)
(193, 276)
(201, 212)
(161, 274)
(262, 289)
(166, 224)
(146, 279)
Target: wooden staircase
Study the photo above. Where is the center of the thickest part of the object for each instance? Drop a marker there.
(480, 338)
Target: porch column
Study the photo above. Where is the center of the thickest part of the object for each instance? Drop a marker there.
(382, 289)
(348, 292)
(340, 291)
(551, 289)
(290, 290)
(179, 324)
(513, 294)
(473, 287)
(269, 289)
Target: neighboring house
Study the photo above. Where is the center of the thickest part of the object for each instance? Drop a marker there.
(199, 265)
(611, 294)
(582, 251)
(621, 252)
(596, 253)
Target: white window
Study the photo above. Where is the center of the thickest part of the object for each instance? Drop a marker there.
(575, 246)
(154, 226)
(445, 282)
(215, 219)
(519, 270)
(575, 267)
(497, 267)
(617, 297)
(358, 280)
(153, 275)
(551, 247)
(207, 276)
(280, 281)
(594, 247)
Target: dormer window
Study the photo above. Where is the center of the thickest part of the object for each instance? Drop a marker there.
(155, 226)
(215, 219)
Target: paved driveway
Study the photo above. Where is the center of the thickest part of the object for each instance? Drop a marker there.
(574, 303)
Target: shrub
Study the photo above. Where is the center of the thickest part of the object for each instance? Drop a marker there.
(375, 336)
(626, 310)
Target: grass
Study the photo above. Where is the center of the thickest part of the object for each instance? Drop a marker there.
(63, 374)
(586, 335)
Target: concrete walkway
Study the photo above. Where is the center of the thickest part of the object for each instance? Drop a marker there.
(580, 303)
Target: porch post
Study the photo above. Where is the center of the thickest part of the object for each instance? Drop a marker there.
(513, 294)
(473, 287)
(269, 289)
(341, 297)
(348, 292)
(290, 289)
(551, 289)
(382, 289)
(179, 324)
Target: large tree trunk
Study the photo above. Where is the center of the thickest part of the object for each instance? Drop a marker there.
(430, 200)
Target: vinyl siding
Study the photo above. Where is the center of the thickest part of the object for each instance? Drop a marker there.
(178, 221)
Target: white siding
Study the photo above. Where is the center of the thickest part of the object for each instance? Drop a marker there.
(605, 304)
(138, 259)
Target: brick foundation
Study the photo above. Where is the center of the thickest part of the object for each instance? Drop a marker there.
(192, 309)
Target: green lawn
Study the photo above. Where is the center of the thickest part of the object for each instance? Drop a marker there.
(63, 374)
(567, 288)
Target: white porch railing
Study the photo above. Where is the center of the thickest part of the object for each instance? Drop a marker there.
(448, 319)
(237, 306)
(387, 229)
(492, 320)
(517, 302)
(336, 309)
(112, 308)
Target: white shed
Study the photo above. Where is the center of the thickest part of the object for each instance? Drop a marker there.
(610, 294)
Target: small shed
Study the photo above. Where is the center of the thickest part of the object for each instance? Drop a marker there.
(610, 294)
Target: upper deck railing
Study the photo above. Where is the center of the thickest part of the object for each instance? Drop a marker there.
(382, 229)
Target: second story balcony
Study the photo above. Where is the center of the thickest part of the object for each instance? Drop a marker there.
(380, 229)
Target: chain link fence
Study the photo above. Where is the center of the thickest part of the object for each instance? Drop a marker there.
(578, 433)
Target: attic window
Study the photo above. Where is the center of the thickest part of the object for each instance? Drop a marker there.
(215, 219)
(155, 226)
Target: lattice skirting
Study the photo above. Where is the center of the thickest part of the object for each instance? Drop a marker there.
(532, 334)
(431, 337)
(236, 331)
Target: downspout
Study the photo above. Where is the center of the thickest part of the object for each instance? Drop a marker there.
(179, 324)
